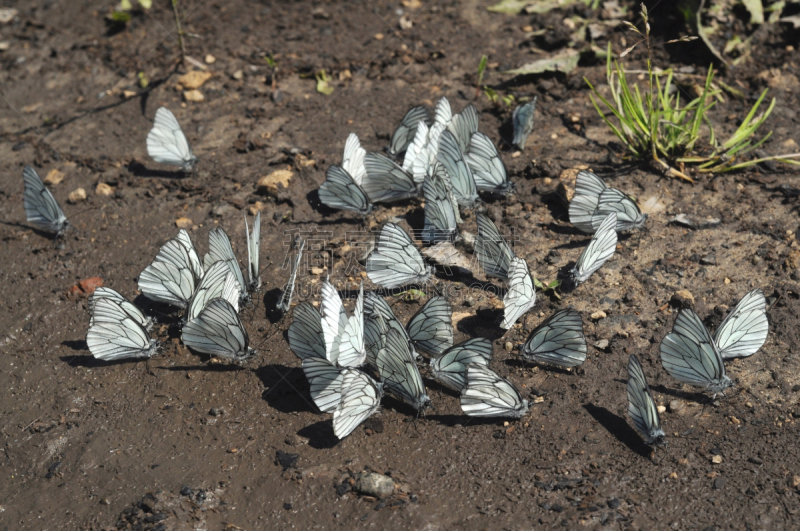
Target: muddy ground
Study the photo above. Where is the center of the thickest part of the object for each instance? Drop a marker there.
(186, 443)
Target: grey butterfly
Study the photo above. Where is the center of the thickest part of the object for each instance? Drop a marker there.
(405, 132)
(641, 406)
(166, 143)
(745, 329)
(41, 208)
(218, 331)
(430, 329)
(288, 289)
(558, 341)
(522, 119)
(487, 394)
(253, 250)
(115, 334)
(341, 192)
(440, 211)
(493, 252)
(218, 282)
(174, 273)
(399, 372)
(521, 295)
(360, 399)
(597, 253)
(396, 261)
(221, 250)
(593, 201)
(128, 307)
(452, 158)
(689, 354)
(386, 181)
(450, 369)
(487, 167)
(305, 335)
(464, 125)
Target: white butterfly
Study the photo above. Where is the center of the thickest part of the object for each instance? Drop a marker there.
(306, 338)
(353, 159)
(463, 125)
(288, 289)
(218, 282)
(253, 251)
(174, 273)
(341, 192)
(523, 122)
(597, 253)
(344, 337)
(166, 143)
(128, 307)
(558, 341)
(405, 132)
(218, 331)
(360, 399)
(450, 369)
(593, 201)
(493, 252)
(221, 250)
(521, 295)
(116, 335)
(41, 208)
(463, 183)
(399, 372)
(386, 181)
(396, 261)
(325, 381)
(487, 394)
(440, 211)
(487, 167)
(641, 406)
(745, 329)
(416, 149)
(690, 355)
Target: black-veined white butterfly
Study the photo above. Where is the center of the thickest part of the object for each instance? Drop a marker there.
(521, 295)
(430, 328)
(493, 252)
(116, 335)
(306, 338)
(374, 335)
(417, 154)
(349, 344)
(745, 329)
(218, 282)
(690, 355)
(174, 273)
(450, 369)
(41, 208)
(166, 143)
(440, 211)
(128, 307)
(253, 250)
(405, 132)
(399, 372)
(487, 394)
(558, 341)
(597, 253)
(593, 201)
(641, 406)
(522, 119)
(218, 331)
(341, 192)
(463, 125)
(386, 181)
(288, 289)
(221, 250)
(325, 382)
(487, 167)
(353, 159)
(461, 179)
(360, 399)
(396, 261)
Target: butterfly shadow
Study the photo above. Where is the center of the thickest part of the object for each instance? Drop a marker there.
(320, 435)
(39, 232)
(464, 421)
(140, 170)
(285, 388)
(485, 323)
(90, 362)
(521, 363)
(698, 397)
(271, 300)
(619, 428)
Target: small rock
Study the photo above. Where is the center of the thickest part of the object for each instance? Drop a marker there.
(709, 259)
(469, 302)
(343, 488)
(374, 484)
(215, 412)
(128, 94)
(210, 59)
(676, 406)
(286, 460)
(661, 409)
(509, 346)
(194, 79)
(256, 207)
(682, 299)
(238, 75)
(378, 36)
(194, 96)
(317, 270)
(756, 460)
(717, 459)
(4, 45)
(103, 189)
(275, 181)
(54, 177)
(719, 483)
(183, 223)
(7, 14)
(295, 440)
(287, 506)
(795, 481)
(186, 491)
(600, 314)
(601, 345)
(613, 503)
(105, 501)
(276, 96)
(77, 195)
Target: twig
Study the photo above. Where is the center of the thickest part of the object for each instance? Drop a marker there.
(180, 33)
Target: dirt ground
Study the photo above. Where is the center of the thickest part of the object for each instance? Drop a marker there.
(186, 443)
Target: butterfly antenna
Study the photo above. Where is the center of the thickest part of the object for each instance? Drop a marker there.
(775, 301)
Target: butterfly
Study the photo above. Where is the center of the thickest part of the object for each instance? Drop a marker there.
(341, 192)
(360, 399)
(690, 355)
(218, 331)
(440, 210)
(430, 328)
(745, 329)
(218, 282)
(521, 295)
(325, 380)
(253, 250)
(353, 159)
(464, 125)
(417, 154)
(450, 369)
(114, 334)
(487, 394)
(461, 179)
(128, 307)
(344, 337)
(386, 181)
(558, 341)
(172, 276)
(221, 250)
(597, 253)
(399, 372)
(305, 335)
(641, 406)
(522, 119)
(396, 261)
(487, 167)
(593, 201)
(288, 289)
(493, 252)
(166, 143)
(41, 208)
(404, 134)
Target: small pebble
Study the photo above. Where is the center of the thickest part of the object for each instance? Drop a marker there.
(77, 195)
(509, 346)
(717, 459)
(210, 59)
(600, 314)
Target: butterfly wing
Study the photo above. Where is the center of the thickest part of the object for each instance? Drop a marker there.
(487, 394)
(487, 167)
(396, 261)
(416, 149)
(341, 192)
(452, 158)
(386, 181)
(599, 250)
(361, 398)
(218, 331)
(558, 341)
(431, 328)
(334, 320)
(522, 119)
(404, 134)
(399, 372)
(306, 338)
(463, 125)
(451, 368)
(440, 214)
(41, 208)
(128, 307)
(166, 143)
(588, 188)
(493, 252)
(629, 216)
(689, 354)
(221, 250)
(288, 289)
(521, 295)
(745, 329)
(352, 352)
(172, 276)
(215, 284)
(253, 253)
(641, 406)
(353, 159)
(115, 335)
(325, 381)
